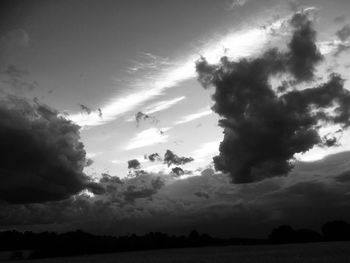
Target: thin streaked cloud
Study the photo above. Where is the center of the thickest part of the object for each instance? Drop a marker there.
(148, 137)
(194, 116)
(159, 106)
(162, 105)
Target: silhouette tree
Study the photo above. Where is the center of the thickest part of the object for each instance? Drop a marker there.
(336, 231)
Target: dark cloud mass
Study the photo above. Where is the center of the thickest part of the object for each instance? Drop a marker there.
(263, 129)
(133, 192)
(134, 164)
(171, 158)
(154, 157)
(177, 171)
(41, 157)
(303, 54)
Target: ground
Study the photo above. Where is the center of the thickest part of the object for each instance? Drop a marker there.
(312, 252)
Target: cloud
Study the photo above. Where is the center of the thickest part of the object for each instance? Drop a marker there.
(177, 171)
(161, 202)
(149, 62)
(146, 191)
(194, 116)
(344, 33)
(159, 106)
(171, 158)
(154, 157)
(242, 43)
(344, 177)
(263, 129)
(147, 137)
(162, 105)
(140, 116)
(134, 164)
(340, 19)
(304, 55)
(205, 150)
(42, 158)
(85, 109)
(237, 3)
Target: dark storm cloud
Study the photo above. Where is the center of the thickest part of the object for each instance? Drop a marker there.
(344, 33)
(154, 157)
(263, 129)
(95, 188)
(171, 158)
(303, 54)
(134, 164)
(134, 192)
(343, 177)
(154, 203)
(106, 178)
(41, 157)
(177, 171)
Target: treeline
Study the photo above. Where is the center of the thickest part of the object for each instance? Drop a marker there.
(331, 231)
(48, 244)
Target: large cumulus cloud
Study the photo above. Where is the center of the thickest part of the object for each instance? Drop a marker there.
(264, 127)
(41, 156)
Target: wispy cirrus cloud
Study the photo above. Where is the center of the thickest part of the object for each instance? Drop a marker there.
(162, 105)
(154, 135)
(193, 116)
(148, 137)
(159, 106)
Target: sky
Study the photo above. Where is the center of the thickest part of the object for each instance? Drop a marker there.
(86, 86)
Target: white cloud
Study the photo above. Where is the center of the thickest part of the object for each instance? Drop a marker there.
(148, 137)
(208, 149)
(159, 106)
(194, 116)
(93, 154)
(162, 105)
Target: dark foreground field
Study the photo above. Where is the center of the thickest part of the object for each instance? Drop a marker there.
(311, 252)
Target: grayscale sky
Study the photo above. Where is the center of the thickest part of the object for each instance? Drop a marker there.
(118, 58)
